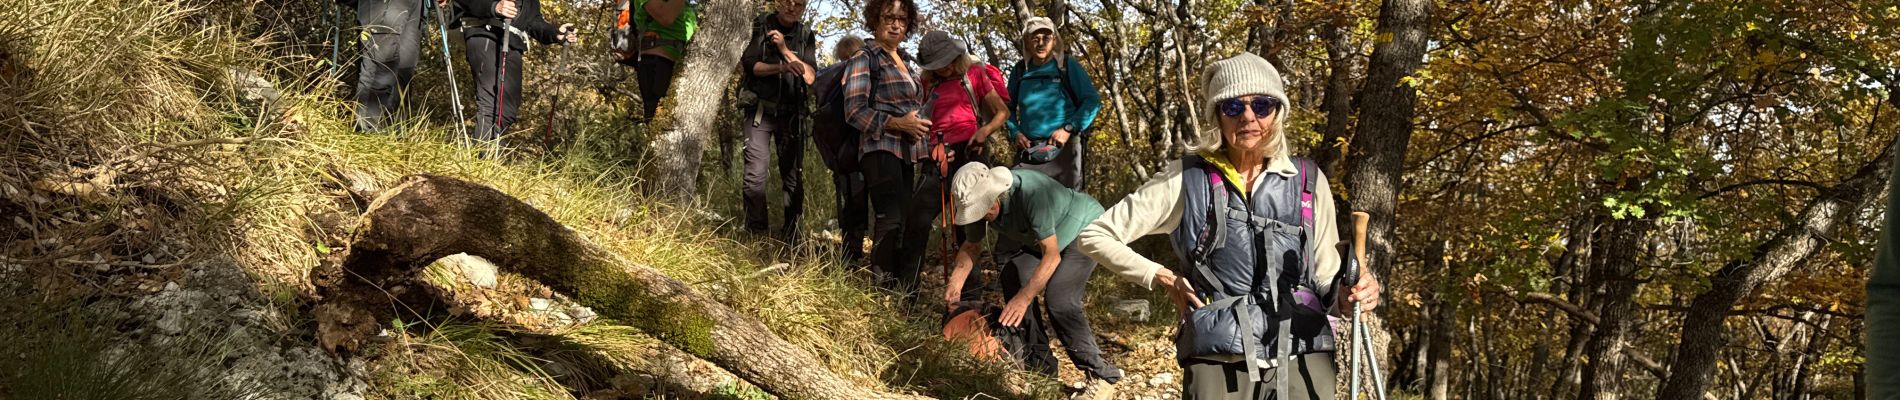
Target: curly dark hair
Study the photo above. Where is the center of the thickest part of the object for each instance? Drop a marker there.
(874, 11)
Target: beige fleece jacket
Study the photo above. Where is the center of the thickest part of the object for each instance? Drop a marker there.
(1155, 208)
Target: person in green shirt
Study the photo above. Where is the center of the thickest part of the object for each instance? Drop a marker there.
(1042, 218)
(665, 27)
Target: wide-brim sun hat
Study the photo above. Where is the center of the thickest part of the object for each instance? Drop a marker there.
(975, 188)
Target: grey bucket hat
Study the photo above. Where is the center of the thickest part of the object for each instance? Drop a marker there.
(938, 50)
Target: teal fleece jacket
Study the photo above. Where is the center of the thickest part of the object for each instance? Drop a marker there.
(1040, 105)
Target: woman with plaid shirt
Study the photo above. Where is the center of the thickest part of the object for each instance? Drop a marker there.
(882, 98)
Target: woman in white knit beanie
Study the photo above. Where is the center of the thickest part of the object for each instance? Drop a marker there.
(1254, 279)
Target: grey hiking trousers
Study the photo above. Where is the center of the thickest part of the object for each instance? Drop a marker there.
(389, 53)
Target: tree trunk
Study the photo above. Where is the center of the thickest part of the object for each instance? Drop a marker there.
(688, 113)
(1445, 301)
(429, 217)
(1618, 247)
(1336, 103)
(1385, 129)
(1702, 332)
(1376, 164)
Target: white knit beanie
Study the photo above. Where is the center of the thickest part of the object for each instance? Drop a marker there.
(1241, 75)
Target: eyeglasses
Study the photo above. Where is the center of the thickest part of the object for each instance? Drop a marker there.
(888, 19)
(1262, 106)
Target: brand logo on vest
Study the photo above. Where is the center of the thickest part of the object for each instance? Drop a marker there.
(1306, 203)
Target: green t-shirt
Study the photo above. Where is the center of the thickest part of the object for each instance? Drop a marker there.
(1038, 207)
(681, 32)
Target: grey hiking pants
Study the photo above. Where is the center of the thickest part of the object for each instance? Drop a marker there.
(388, 60)
(1064, 295)
(765, 134)
(1209, 380)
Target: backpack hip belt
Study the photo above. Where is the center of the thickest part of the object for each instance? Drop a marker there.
(521, 37)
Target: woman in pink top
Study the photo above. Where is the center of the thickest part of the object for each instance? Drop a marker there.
(953, 78)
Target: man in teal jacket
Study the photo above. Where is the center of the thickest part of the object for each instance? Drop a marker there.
(1053, 105)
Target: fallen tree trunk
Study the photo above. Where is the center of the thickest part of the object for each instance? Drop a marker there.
(429, 217)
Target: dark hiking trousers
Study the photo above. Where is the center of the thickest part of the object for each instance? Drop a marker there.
(1064, 295)
(655, 76)
(1210, 380)
(388, 60)
(888, 184)
(484, 51)
(926, 210)
(854, 211)
(763, 135)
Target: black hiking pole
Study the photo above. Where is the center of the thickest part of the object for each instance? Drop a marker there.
(448, 70)
(501, 86)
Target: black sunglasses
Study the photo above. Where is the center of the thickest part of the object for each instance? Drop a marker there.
(1262, 106)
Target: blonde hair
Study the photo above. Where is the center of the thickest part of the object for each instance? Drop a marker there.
(961, 66)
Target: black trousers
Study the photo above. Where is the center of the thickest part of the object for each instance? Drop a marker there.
(763, 135)
(389, 54)
(484, 54)
(655, 76)
(854, 210)
(1064, 295)
(888, 183)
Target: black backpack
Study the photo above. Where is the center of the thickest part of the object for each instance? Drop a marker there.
(830, 132)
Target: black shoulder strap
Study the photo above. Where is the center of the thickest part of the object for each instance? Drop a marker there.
(1015, 90)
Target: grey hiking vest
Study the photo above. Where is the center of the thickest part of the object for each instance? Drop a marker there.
(1254, 261)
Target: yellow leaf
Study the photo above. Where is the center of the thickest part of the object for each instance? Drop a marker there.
(1385, 37)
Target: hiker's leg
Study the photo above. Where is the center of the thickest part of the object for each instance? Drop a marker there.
(853, 213)
(1065, 292)
(1209, 380)
(887, 183)
(655, 75)
(1077, 163)
(1015, 275)
(407, 55)
(758, 152)
(376, 80)
(481, 56)
(790, 140)
(920, 221)
(511, 100)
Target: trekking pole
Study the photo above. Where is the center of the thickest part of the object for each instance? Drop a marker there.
(501, 86)
(331, 11)
(448, 70)
(941, 153)
(1362, 336)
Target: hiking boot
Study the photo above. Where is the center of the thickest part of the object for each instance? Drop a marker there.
(1096, 389)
